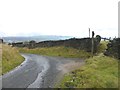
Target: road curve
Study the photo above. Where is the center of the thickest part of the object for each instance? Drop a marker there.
(36, 72)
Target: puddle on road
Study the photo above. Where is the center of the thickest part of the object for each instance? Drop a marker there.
(39, 80)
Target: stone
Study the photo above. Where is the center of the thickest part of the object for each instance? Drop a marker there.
(78, 43)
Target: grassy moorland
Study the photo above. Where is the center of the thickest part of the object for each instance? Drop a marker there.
(57, 51)
(10, 58)
(99, 72)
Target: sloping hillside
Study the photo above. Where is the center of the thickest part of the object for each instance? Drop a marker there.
(10, 58)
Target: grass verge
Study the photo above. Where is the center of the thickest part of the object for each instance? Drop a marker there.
(99, 72)
(10, 58)
(58, 51)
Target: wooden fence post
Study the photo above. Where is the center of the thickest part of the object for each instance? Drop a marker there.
(89, 32)
(92, 48)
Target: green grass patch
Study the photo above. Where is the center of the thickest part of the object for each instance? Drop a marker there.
(10, 58)
(102, 46)
(99, 72)
(57, 51)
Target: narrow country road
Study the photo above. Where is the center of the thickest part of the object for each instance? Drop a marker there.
(39, 71)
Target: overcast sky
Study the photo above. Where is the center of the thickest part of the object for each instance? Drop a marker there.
(58, 17)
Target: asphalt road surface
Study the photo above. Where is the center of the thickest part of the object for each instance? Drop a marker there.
(36, 72)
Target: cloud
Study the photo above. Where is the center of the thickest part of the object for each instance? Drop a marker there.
(64, 17)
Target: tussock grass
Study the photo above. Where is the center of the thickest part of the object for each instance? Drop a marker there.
(102, 47)
(10, 58)
(99, 72)
(57, 51)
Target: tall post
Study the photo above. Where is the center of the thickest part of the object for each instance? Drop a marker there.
(89, 32)
(92, 48)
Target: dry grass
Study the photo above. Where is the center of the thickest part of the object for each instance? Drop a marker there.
(58, 51)
(10, 58)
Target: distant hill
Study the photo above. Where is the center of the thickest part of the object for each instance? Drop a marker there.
(36, 38)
